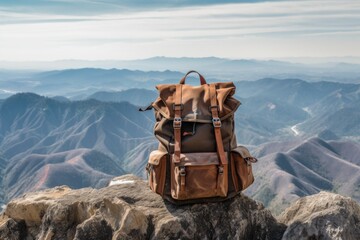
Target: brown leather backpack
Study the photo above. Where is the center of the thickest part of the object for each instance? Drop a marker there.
(198, 158)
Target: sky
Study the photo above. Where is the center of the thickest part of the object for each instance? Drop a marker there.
(136, 29)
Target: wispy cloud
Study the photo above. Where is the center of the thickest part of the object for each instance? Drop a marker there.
(94, 7)
(256, 30)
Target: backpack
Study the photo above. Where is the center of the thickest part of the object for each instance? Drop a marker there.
(198, 159)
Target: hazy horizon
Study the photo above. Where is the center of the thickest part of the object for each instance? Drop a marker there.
(136, 64)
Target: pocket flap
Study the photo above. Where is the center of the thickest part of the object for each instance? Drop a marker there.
(156, 156)
(199, 159)
(244, 153)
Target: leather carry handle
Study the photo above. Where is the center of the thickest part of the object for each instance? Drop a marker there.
(202, 79)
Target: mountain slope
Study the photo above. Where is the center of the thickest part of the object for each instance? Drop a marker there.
(136, 159)
(77, 168)
(33, 126)
(306, 169)
(278, 110)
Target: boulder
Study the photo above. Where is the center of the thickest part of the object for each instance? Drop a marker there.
(322, 216)
(129, 210)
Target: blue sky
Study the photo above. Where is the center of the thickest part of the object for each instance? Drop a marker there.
(109, 29)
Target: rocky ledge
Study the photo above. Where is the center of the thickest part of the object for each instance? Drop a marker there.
(129, 210)
(322, 216)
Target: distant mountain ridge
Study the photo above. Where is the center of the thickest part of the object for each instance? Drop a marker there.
(80, 83)
(136, 96)
(335, 70)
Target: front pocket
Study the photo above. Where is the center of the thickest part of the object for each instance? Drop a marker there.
(241, 168)
(198, 175)
(156, 169)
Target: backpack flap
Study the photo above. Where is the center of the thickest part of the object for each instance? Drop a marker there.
(156, 156)
(196, 101)
(245, 154)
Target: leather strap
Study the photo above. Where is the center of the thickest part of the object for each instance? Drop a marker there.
(217, 124)
(202, 79)
(177, 123)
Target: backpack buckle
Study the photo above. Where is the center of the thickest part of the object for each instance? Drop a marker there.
(216, 122)
(178, 107)
(177, 122)
(221, 169)
(182, 171)
(214, 106)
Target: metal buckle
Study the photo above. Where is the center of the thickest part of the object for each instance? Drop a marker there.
(215, 106)
(216, 122)
(178, 105)
(177, 122)
(182, 171)
(221, 169)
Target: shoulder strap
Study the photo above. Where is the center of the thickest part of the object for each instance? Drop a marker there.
(217, 124)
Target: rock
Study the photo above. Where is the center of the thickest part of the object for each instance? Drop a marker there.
(12, 230)
(129, 210)
(322, 216)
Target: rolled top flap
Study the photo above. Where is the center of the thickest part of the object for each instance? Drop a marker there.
(156, 156)
(244, 153)
(199, 159)
(196, 101)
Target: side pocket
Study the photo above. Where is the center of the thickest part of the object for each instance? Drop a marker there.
(241, 168)
(156, 169)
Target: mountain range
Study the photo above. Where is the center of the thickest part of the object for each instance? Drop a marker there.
(302, 132)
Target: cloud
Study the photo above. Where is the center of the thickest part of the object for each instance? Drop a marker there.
(256, 30)
(94, 7)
